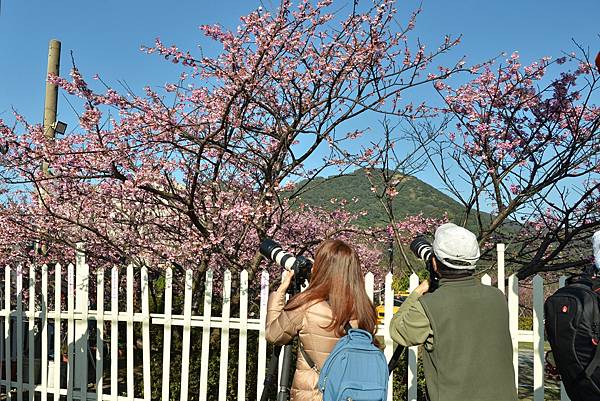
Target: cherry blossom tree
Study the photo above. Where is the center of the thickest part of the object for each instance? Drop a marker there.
(195, 174)
(526, 140)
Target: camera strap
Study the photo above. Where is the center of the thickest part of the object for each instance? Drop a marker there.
(395, 358)
(309, 360)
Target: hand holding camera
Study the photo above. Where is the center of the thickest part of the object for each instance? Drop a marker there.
(299, 266)
(424, 251)
(286, 280)
(423, 287)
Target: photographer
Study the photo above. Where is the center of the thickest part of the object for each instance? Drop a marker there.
(572, 322)
(462, 325)
(335, 296)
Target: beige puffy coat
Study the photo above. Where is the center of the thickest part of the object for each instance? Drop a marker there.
(308, 322)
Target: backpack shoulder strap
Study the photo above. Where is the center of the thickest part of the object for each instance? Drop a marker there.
(593, 365)
(308, 359)
(595, 362)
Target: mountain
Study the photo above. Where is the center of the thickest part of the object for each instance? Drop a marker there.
(414, 197)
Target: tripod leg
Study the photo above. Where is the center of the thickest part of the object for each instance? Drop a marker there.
(271, 376)
(395, 358)
(286, 367)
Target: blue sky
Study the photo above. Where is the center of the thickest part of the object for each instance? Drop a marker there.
(105, 36)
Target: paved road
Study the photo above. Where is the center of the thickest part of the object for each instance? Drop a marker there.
(552, 389)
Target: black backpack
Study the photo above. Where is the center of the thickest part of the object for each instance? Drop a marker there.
(573, 328)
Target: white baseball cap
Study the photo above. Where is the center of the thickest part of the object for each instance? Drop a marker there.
(456, 247)
(596, 246)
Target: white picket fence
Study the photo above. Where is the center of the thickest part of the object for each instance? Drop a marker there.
(77, 314)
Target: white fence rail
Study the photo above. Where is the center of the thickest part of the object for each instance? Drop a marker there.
(26, 373)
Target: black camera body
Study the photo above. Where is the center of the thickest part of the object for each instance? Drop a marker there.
(299, 264)
(424, 251)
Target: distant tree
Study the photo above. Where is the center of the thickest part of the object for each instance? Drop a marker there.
(390, 164)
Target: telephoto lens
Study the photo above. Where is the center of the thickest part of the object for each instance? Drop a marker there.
(298, 264)
(272, 250)
(424, 251)
(422, 248)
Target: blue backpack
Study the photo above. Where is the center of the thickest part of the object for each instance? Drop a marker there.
(356, 370)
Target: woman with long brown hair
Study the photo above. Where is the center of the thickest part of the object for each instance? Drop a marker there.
(335, 296)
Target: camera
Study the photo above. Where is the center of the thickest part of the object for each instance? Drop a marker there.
(299, 264)
(424, 251)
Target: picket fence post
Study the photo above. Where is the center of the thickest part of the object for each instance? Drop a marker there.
(224, 359)
(204, 356)
(129, 331)
(80, 341)
(30, 336)
(145, 332)
(114, 332)
(369, 285)
(413, 353)
(70, 331)
(262, 343)
(44, 365)
(99, 333)
(7, 310)
(388, 312)
(2, 383)
(243, 336)
(57, 311)
(500, 248)
(19, 323)
(185, 348)
(167, 333)
(538, 338)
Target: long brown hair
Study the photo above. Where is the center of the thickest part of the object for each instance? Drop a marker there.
(337, 278)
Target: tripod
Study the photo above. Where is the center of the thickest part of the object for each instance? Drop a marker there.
(284, 384)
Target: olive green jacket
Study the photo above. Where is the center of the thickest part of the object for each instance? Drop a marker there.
(463, 327)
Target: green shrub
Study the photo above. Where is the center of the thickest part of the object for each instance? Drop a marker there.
(525, 323)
